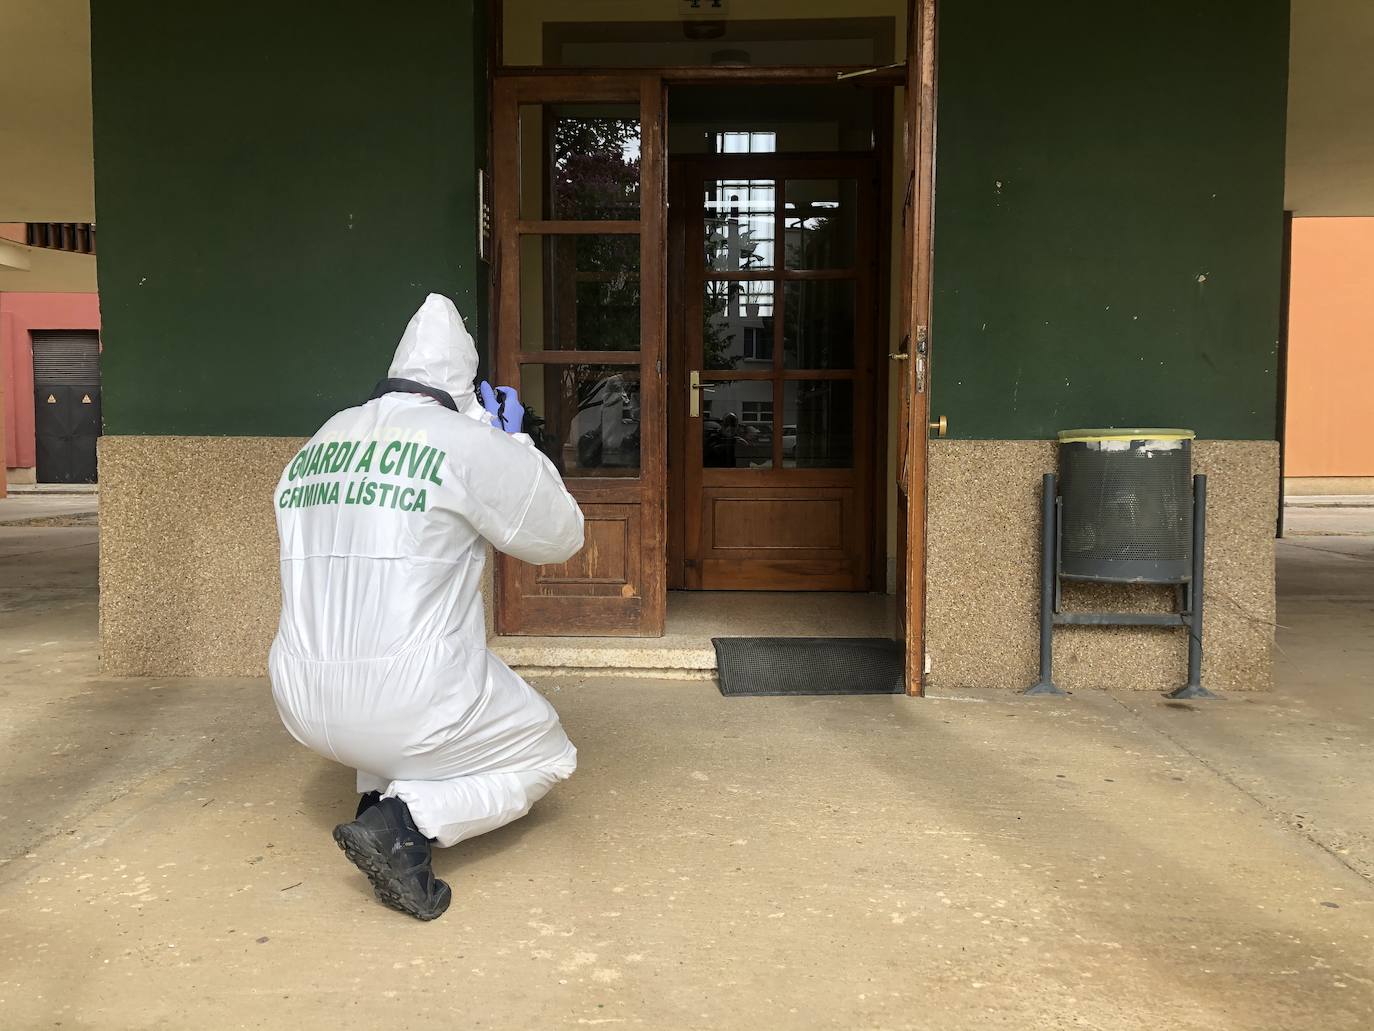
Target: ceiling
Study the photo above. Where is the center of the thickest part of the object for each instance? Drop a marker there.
(46, 167)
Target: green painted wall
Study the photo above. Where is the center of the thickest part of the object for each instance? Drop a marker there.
(1109, 198)
(277, 189)
(278, 185)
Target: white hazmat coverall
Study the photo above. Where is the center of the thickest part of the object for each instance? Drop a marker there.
(380, 660)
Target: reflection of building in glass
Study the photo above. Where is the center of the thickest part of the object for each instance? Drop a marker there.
(740, 142)
(739, 421)
(758, 415)
(747, 421)
(737, 424)
(739, 224)
(738, 325)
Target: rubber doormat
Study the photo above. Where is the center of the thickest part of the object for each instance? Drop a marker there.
(808, 665)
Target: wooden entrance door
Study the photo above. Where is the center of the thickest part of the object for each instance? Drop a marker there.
(579, 228)
(779, 296)
(913, 359)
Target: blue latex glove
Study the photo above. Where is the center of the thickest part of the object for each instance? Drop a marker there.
(504, 403)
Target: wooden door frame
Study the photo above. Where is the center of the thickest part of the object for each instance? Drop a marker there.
(1281, 413)
(922, 20)
(874, 245)
(917, 300)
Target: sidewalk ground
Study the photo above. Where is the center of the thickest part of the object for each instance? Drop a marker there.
(1112, 861)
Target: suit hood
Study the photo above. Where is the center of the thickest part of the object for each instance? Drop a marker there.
(437, 350)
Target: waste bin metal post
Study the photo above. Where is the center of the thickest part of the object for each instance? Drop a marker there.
(1193, 688)
(1049, 584)
(1188, 586)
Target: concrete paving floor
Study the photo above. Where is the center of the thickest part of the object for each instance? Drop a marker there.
(33, 507)
(981, 861)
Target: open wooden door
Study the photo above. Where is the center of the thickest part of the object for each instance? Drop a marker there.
(912, 362)
(580, 328)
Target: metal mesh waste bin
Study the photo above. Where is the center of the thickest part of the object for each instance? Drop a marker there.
(1127, 505)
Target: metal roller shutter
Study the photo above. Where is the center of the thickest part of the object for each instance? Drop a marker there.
(66, 357)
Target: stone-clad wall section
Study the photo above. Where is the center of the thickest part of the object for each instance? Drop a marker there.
(984, 572)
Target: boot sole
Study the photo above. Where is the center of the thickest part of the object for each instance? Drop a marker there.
(399, 893)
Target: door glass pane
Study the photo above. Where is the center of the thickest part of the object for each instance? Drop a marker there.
(579, 161)
(818, 324)
(818, 424)
(737, 425)
(589, 417)
(737, 330)
(740, 224)
(579, 293)
(821, 223)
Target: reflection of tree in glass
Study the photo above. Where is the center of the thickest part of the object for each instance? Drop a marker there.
(718, 252)
(815, 238)
(594, 175)
(595, 168)
(607, 301)
(717, 342)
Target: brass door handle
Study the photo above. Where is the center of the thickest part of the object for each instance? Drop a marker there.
(940, 426)
(899, 356)
(694, 394)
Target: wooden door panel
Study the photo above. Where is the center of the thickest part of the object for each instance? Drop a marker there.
(607, 576)
(781, 539)
(753, 524)
(780, 575)
(608, 563)
(747, 521)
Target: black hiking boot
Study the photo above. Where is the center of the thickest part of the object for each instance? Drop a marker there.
(384, 843)
(365, 803)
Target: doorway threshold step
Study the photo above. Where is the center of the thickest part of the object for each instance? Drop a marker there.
(672, 658)
(685, 651)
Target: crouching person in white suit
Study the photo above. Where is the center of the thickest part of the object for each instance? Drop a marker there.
(380, 660)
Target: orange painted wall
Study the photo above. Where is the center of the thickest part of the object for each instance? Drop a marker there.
(1330, 417)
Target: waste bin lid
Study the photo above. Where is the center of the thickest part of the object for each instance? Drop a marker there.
(1097, 436)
